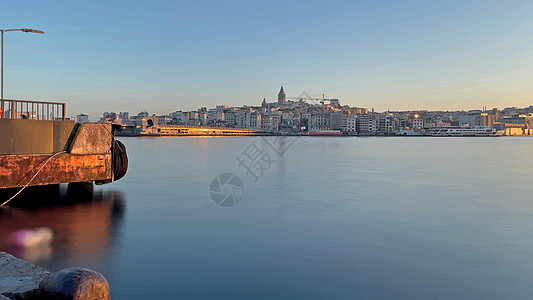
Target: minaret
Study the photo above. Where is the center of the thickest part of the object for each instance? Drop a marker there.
(281, 96)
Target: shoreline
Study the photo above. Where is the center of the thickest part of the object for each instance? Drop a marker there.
(21, 279)
(319, 135)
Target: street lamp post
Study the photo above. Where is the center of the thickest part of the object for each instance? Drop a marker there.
(6, 30)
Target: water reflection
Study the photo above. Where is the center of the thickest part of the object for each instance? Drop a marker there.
(32, 244)
(85, 224)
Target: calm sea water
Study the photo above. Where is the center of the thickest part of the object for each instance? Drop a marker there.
(330, 218)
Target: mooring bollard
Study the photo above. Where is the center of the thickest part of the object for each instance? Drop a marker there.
(75, 284)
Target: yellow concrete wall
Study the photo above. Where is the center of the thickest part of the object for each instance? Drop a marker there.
(23, 136)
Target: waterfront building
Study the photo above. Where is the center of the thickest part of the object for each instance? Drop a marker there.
(109, 117)
(417, 122)
(386, 124)
(125, 116)
(361, 111)
(514, 129)
(240, 118)
(253, 121)
(82, 118)
(402, 123)
(248, 118)
(351, 124)
(344, 120)
(373, 124)
(142, 114)
(266, 122)
(367, 124)
(229, 117)
(219, 113)
(470, 119)
(363, 123)
(275, 120)
(149, 124)
(164, 120)
(178, 118)
(518, 125)
(192, 115)
(443, 124)
(202, 119)
(319, 121)
(487, 120)
(336, 120)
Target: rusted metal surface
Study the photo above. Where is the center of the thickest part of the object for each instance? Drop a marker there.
(17, 170)
(87, 153)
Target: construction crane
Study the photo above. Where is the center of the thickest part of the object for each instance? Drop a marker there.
(322, 100)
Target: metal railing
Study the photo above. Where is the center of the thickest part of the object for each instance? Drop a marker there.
(33, 110)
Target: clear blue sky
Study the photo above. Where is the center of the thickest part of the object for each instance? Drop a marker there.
(169, 55)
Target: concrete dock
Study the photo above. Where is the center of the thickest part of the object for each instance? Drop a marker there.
(36, 151)
(19, 279)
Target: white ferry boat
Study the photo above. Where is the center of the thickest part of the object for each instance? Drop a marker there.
(410, 132)
(463, 131)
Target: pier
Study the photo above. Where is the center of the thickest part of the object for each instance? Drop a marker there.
(40, 147)
(150, 127)
(174, 130)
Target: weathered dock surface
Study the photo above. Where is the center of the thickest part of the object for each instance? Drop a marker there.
(19, 279)
(40, 147)
(59, 151)
(82, 152)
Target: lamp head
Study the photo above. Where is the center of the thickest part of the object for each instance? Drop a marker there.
(32, 30)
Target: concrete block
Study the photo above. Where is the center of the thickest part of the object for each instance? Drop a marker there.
(93, 138)
(19, 279)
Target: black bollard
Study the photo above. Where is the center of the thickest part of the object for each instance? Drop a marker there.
(75, 284)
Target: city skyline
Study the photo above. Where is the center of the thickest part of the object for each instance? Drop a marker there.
(320, 116)
(281, 98)
(165, 56)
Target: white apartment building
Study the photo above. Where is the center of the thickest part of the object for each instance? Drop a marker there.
(351, 124)
(417, 123)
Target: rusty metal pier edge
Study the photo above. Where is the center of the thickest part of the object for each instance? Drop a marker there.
(87, 157)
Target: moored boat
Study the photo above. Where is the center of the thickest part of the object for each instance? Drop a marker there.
(463, 131)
